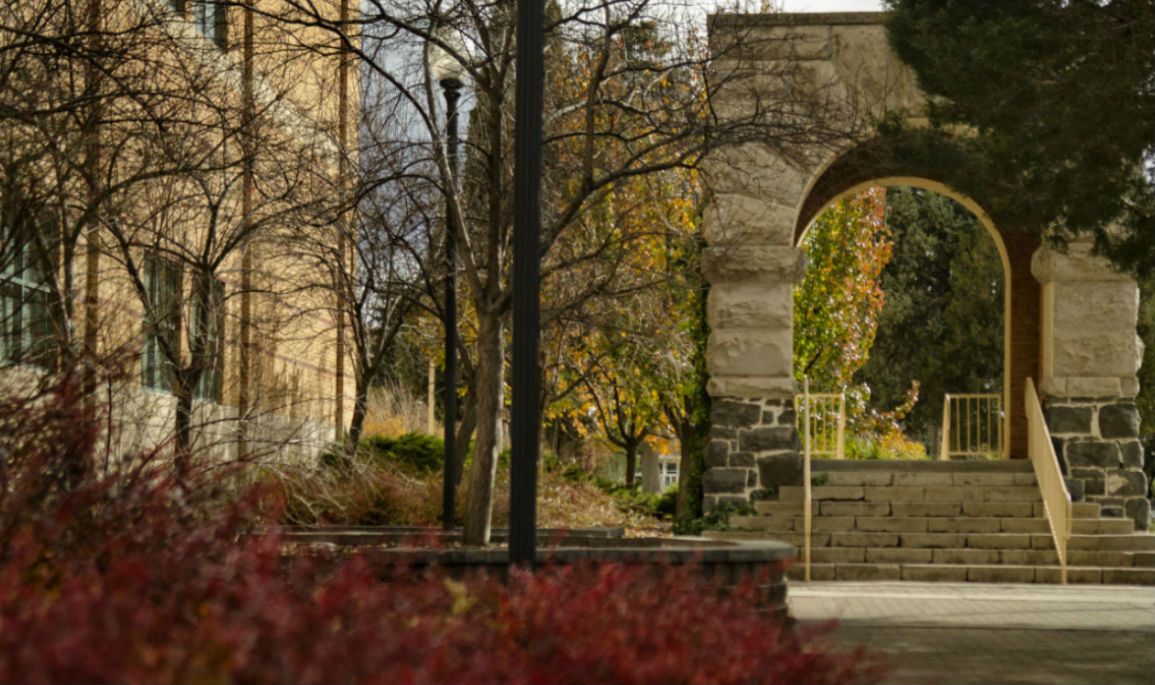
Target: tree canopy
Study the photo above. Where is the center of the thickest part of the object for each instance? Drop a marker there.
(1042, 109)
(944, 301)
(836, 307)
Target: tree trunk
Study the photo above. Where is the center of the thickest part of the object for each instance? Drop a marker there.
(464, 435)
(184, 391)
(651, 468)
(357, 421)
(631, 462)
(487, 384)
(694, 436)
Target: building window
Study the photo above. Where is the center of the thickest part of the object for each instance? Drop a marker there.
(25, 303)
(211, 20)
(161, 323)
(177, 5)
(206, 332)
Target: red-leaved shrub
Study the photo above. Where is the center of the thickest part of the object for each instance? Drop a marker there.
(144, 579)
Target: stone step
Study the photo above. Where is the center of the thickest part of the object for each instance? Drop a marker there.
(979, 573)
(922, 466)
(1030, 557)
(1135, 542)
(788, 509)
(899, 524)
(1102, 526)
(1089, 534)
(1080, 510)
(981, 517)
(1086, 510)
(1118, 559)
(931, 494)
(922, 479)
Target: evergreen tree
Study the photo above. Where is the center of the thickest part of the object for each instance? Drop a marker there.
(943, 321)
(1041, 110)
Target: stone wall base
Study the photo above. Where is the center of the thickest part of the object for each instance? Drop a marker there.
(753, 445)
(1097, 442)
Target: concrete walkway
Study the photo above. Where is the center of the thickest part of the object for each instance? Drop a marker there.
(972, 633)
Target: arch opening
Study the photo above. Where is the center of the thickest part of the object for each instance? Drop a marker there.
(906, 299)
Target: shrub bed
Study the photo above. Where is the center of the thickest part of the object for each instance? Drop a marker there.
(138, 576)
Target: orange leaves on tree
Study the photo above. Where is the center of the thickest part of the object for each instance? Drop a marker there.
(837, 305)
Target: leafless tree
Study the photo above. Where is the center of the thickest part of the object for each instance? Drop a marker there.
(628, 94)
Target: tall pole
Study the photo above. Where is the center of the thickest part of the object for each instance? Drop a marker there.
(452, 88)
(342, 241)
(245, 372)
(525, 414)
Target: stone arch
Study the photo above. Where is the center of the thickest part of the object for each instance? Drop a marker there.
(763, 195)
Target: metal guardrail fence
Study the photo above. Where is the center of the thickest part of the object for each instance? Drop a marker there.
(822, 423)
(827, 421)
(1056, 497)
(972, 426)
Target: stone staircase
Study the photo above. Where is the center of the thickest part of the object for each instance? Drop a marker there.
(951, 521)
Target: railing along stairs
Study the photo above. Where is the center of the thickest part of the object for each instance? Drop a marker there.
(1056, 498)
(976, 420)
(823, 427)
(826, 412)
(972, 426)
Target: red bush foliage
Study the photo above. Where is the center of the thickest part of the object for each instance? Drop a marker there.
(144, 579)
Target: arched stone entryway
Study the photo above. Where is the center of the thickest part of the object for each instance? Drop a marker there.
(1020, 322)
(1071, 318)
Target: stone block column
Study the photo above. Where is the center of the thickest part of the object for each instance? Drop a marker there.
(1089, 361)
(750, 354)
(819, 80)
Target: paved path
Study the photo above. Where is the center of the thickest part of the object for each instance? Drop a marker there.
(977, 633)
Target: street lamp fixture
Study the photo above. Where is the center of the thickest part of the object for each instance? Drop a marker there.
(449, 74)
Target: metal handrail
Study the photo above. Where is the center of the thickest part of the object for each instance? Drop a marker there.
(826, 423)
(806, 512)
(831, 438)
(972, 425)
(1052, 487)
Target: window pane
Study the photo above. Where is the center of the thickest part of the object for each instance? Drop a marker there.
(12, 258)
(210, 21)
(10, 323)
(38, 329)
(26, 327)
(162, 283)
(206, 329)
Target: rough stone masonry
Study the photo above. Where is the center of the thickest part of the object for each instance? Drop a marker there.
(753, 444)
(1097, 443)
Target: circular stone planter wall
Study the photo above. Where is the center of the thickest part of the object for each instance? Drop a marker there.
(727, 562)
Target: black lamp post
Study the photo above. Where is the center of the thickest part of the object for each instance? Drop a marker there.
(448, 73)
(525, 416)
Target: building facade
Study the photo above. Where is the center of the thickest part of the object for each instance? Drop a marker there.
(167, 170)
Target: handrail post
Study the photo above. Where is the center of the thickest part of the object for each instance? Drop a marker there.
(1004, 452)
(841, 425)
(944, 447)
(806, 494)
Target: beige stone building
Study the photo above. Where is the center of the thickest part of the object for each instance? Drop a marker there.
(157, 182)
